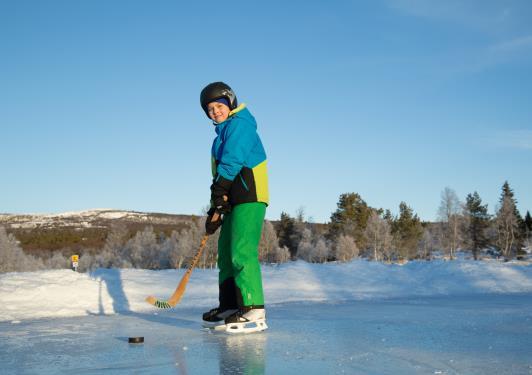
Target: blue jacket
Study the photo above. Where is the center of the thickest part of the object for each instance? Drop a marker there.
(238, 156)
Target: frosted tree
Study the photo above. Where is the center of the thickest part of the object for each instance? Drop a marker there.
(304, 248)
(57, 261)
(87, 262)
(269, 244)
(172, 249)
(507, 227)
(449, 214)
(378, 236)
(282, 255)
(115, 239)
(312, 250)
(346, 248)
(321, 251)
(13, 258)
(142, 251)
(210, 255)
(426, 244)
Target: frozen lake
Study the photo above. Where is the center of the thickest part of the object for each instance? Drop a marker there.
(480, 334)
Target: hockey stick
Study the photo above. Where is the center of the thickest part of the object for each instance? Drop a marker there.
(180, 290)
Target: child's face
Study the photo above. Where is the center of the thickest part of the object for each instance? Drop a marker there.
(218, 112)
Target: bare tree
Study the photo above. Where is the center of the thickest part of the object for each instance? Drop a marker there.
(13, 258)
(378, 236)
(426, 244)
(142, 251)
(269, 244)
(304, 248)
(346, 248)
(449, 213)
(507, 227)
(282, 255)
(311, 249)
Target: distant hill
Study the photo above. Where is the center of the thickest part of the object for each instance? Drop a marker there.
(72, 231)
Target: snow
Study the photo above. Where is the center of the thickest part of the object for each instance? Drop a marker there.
(439, 317)
(62, 293)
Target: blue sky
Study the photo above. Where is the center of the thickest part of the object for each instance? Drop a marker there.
(394, 100)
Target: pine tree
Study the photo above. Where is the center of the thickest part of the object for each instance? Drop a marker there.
(528, 231)
(288, 233)
(528, 222)
(407, 231)
(350, 218)
(478, 222)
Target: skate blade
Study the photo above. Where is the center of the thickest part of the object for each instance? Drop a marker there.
(214, 325)
(247, 327)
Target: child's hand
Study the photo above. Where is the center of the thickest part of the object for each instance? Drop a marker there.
(214, 221)
(219, 195)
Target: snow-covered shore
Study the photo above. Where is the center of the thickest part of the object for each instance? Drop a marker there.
(64, 293)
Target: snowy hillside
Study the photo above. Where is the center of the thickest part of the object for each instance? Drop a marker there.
(64, 293)
(96, 218)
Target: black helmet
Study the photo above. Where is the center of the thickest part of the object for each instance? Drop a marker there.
(217, 90)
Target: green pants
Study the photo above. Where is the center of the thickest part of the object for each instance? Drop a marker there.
(238, 256)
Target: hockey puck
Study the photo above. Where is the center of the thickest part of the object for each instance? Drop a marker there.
(136, 340)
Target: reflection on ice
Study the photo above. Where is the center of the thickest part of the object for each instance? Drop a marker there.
(242, 354)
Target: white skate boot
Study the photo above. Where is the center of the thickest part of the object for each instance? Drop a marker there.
(246, 320)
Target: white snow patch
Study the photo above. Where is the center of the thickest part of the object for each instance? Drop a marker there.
(61, 293)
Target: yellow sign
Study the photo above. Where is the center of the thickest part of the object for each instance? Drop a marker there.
(74, 258)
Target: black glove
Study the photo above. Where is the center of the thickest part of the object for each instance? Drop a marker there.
(220, 194)
(212, 226)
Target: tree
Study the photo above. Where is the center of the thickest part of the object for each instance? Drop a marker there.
(508, 223)
(350, 218)
(407, 231)
(528, 222)
(314, 250)
(269, 244)
(378, 236)
(13, 258)
(478, 221)
(449, 214)
(282, 255)
(426, 244)
(346, 248)
(528, 231)
(142, 251)
(288, 233)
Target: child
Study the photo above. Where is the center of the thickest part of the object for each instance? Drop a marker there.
(239, 192)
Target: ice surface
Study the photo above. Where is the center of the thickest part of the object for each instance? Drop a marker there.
(481, 334)
(459, 317)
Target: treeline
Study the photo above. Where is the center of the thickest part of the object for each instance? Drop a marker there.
(355, 230)
(146, 249)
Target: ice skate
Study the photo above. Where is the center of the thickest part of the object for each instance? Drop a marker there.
(246, 320)
(215, 317)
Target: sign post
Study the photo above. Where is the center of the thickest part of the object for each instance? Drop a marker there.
(75, 259)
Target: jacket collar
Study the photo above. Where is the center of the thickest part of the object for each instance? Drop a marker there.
(221, 125)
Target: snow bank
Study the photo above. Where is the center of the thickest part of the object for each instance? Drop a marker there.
(60, 293)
